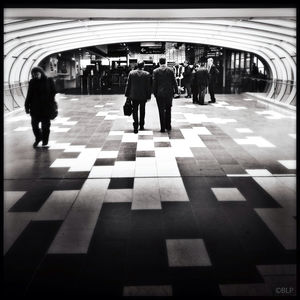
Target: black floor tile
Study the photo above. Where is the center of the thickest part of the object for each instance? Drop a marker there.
(78, 175)
(145, 154)
(58, 274)
(70, 184)
(178, 221)
(121, 183)
(256, 196)
(24, 257)
(35, 197)
(104, 162)
(147, 262)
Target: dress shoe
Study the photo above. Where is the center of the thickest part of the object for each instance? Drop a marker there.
(162, 130)
(169, 128)
(211, 101)
(142, 128)
(35, 144)
(135, 131)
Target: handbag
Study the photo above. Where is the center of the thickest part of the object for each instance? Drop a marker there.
(53, 110)
(127, 107)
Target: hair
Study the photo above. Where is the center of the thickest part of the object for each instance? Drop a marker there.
(140, 64)
(162, 61)
(38, 70)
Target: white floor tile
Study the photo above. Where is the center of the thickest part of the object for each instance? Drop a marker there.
(187, 253)
(228, 194)
(129, 138)
(118, 195)
(146, 194)
(292, 135)
(172, 189)
(123, 169)
(245, 289)
(244, 130)
(161, 139)
(91, 195)
(85, 160)
(71, 242)
(282, 225)
(192, 139)
(258, 172)
(148, 290)
(74, 148)
(108, 154)
(57, 205)
(63, 163)
(202, 131)
(101, 172)
(289, 164)
(145, 167)
(145, 145)
(120, 132)
(145, 132)
(180, 148)
(282, 194)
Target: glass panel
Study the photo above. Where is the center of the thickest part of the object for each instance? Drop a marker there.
(232, 60)
(237, 60)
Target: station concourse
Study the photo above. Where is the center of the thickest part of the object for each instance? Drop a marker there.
(205, 209)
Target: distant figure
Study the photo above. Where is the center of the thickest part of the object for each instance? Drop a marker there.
(138, 90)
(39, 99)
(254, 71)
(194, 84)
(164, 88)
(201, 82)
(212, 72)
(187, 78)
(178, 71)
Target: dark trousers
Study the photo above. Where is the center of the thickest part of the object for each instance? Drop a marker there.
(164, 110)
(41, 135)
(211, 90)
(136, 104)
(199, 95)
(188, 86)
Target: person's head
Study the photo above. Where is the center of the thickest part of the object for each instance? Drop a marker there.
(210, 61)
(162, 61)
(140, 64)
(196, 67)
(186, 63)
(38, 73)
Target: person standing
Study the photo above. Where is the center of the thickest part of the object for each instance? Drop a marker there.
(187, 78)
(38, 103)
(164, 88)
(213, 73)
(138, 90)
(194, 84)
(201, 83)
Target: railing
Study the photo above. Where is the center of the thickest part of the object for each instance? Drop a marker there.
(271, 88)
(14, 96)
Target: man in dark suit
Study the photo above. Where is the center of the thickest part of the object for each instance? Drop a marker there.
(138, 90)
(201, 82)
(187, 78)
(213, 73)
(164, 88)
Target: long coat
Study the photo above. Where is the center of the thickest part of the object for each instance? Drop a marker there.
(213, 73)
(164, 84)
(201, 79)
(138, 85)
(40, 96)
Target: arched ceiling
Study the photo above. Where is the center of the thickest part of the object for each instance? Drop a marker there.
(32, 34)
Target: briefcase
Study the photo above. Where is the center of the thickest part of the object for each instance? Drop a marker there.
(127, 107)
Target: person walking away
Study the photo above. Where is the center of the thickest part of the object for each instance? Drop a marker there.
(187, 77)
(138, 90)
(212, 72)
(38, 103)
(202, 80)
(164, 88)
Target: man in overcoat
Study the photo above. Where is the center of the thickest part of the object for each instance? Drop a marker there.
(164, 88)
(213, 73)
(39, 100)
(138, 90)
(201, 83)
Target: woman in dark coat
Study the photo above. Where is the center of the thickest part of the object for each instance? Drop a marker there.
(39, 100)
